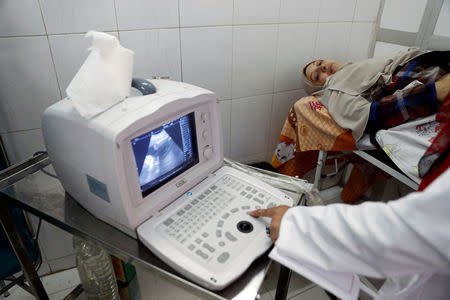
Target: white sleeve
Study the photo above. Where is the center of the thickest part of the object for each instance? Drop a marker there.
(406, 236)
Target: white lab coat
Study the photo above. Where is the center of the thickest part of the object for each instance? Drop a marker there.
(406, 241)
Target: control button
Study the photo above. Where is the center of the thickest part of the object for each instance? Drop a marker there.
(180, 212)
(218, 233)
(245, 207)
(230, 236)
(188, 207)
(245, 226)
(220, 223)
(204, 116)
(259, 201)
(205, 234)
(207, 152)
(221, 243)
(191, 247)
(205, 134)
(225, 215)
(223, 257)
(201, 254)
(234, 210)
(168, 221)
(209, 247)
(198, 241)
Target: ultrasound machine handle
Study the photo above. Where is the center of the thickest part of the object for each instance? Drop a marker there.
(144, 86)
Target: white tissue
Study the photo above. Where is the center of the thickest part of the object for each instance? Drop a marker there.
(104, 78)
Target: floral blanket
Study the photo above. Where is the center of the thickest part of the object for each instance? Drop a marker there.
(309, 128)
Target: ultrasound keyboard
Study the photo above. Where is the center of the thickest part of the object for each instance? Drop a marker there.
(212, 226)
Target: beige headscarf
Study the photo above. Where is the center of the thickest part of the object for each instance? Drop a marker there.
(307, 85)
(342, 92)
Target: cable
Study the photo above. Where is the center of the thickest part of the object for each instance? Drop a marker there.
(42, 170)
(49, 174)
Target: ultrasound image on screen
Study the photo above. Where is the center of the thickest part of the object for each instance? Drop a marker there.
(165, 152)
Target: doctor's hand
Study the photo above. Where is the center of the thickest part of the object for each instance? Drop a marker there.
(276, 214)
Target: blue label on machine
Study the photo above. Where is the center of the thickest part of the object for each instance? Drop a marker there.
(98, 188)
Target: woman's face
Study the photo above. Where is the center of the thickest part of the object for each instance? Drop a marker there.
(318, 70)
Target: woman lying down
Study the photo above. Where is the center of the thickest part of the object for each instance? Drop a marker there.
(381, 92)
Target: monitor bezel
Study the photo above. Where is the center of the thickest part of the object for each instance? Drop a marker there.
(126, 165)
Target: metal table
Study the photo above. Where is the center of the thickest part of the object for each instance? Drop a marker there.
(43, 196)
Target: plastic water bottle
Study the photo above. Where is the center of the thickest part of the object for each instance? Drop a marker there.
(96, 270)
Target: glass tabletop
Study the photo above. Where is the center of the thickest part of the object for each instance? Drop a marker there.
(43, 195)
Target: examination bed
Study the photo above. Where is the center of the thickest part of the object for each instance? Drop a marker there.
(310, 138)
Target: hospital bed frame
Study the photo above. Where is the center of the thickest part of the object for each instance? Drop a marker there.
(375, 157)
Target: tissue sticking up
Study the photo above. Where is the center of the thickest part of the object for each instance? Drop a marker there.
(104, 79)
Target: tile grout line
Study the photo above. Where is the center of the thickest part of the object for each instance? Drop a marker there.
(51, 52)
(269, 142)
(231, 81)
(179, 41)
(176, 27)
(116, 18)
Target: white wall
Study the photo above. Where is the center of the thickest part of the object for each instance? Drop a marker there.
(249, 52)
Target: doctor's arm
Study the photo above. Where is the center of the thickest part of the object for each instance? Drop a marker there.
(401, 237)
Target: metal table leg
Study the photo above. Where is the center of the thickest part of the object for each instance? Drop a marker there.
(284, 278)
(320, 164)
(21, 252)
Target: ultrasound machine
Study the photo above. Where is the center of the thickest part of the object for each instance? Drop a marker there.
(152, 166)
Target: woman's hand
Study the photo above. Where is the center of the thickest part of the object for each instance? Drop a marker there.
(276, 213)
(442, 87)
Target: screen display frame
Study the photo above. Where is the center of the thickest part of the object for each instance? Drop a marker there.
(157, 183)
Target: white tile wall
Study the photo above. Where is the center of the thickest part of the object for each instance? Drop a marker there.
(360, 40)
(249, 52)
(55, 242)
(12, 16)
(28, 82)
(413, 9)
(254, 57)
(22, 145)
(250, 125)
(256, 11)
(65, 16)
(443, 23)
(144, 14)
(156, 52)
(295, 50)
(299, 11)
(330, 35)
(382, 49)
(337, 11)
(206, 12)
(366, 10)
(62, 263)
(225, 114)
(206, 57)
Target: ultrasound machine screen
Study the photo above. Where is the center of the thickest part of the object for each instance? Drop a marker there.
(165, 152)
